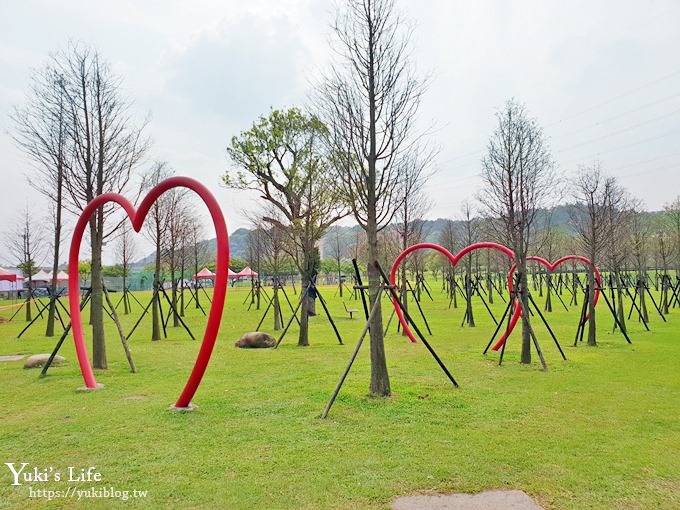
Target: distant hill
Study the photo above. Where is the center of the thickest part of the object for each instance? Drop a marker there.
(238, 240)
(238, 247)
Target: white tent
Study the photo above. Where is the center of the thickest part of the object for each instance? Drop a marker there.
(42, 276)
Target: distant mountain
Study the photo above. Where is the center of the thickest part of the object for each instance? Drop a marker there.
(238, 247)
(558, 216)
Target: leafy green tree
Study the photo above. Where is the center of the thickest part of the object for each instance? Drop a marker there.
(115, 270)
(282, 157)
(235, 264)
(84, 269)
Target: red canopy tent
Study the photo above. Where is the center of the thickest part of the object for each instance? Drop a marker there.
(9, 275)
(231, 274)
(245, 272)
(204, 274)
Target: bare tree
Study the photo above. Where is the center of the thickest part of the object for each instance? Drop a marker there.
(598, 218)
(256, 245)
(338, 250)
(358, 248)
(410, 215)
(282, 157)
(125, 251)
(178, 217)
(41, 132)
(469, 236)
(664, 250)
(105, 147)
(448, 238)
(640, 230)
(519, 178)
(25, 244)
(496, 263)
(198, 253)
(369, 101)
(155, 230)
(274, 247)
(672, 212)
(554, 241)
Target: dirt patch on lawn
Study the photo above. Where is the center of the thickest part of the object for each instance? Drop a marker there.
(12, 357)
(488, 500)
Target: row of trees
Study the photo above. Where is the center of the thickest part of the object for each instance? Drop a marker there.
(79, 132)
(355, 151)
(77, 129)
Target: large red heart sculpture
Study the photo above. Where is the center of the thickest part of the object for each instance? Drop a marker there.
(137, 218)
(454, 259)
(551, 268)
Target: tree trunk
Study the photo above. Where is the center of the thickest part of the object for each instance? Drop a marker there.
(57, 244)
(29, 300)
(574, 287)
(195, 282)
(277, 307)
(489, 287)
(619, 300)
(307, 299)
(380, 381)
(97, 296)
(592, 330)
(126, 299)
(175, 304)
(664, 291)
(526, 320)
(155, 306)
(468, 296)
(642, 286)
(49, 331)
(181, 285)
(303, 339)
(404, 291)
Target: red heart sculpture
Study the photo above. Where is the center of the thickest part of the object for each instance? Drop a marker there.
(551, 268)
(454, 260)
(137, 218)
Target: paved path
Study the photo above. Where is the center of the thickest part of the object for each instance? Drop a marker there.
(489, 500)
(12, 357)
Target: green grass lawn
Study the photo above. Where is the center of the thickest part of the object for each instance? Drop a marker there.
(600, 430)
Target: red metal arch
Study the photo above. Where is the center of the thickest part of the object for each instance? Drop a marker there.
(453, 259)
(137, 218)
(551, 267)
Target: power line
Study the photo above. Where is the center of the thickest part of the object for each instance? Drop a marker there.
(651, 170)
(632, 144)
(618, 116)
(613, 99)
(655, 119)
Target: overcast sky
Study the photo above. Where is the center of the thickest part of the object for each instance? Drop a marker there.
(601, 77)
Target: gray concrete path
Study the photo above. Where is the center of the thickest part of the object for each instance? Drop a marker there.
(489, 500)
